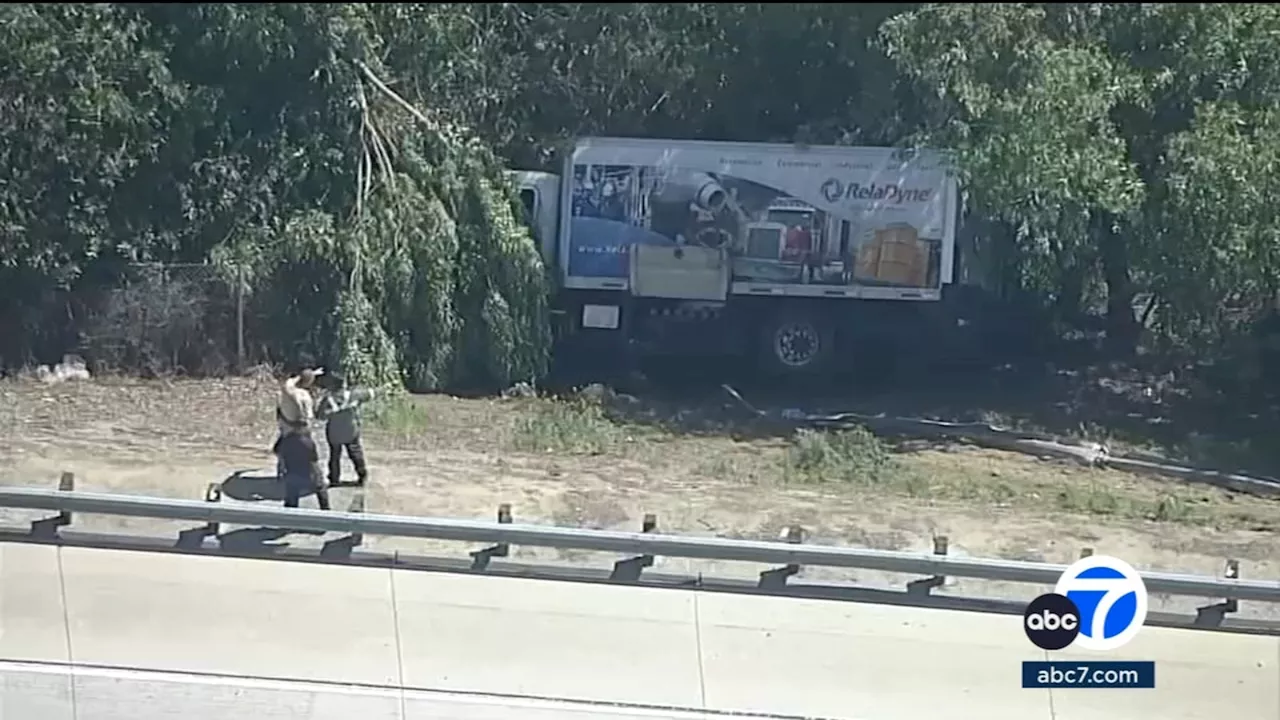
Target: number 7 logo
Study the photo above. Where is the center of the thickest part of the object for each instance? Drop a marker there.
(1112, 600)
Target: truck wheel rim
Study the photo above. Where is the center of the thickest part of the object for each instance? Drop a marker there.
(797, 344)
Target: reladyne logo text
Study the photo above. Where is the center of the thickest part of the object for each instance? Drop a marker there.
(835, 189)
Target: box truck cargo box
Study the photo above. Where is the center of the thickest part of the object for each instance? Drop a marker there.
(785, 215)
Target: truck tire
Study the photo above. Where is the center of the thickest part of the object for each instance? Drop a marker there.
(795, 344)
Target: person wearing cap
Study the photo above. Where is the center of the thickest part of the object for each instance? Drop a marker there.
(340, 409)
(295, 408)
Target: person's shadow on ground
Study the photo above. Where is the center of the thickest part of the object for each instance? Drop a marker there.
(253, 486)
(249, 486)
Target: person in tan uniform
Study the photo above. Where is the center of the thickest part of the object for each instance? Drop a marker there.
(295, 408)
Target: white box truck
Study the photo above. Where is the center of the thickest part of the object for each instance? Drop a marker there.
(793, 257)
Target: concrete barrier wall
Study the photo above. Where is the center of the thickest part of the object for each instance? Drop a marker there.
(570, 646)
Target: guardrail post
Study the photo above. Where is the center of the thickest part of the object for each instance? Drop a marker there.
(66, 483)
(629, 570)
(480, 558)
(48, 527)
(342, 547)
(922, 587)
(1213, 615)
(776, 579)
(357, 506)
(213, 494)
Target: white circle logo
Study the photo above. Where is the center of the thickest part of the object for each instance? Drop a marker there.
(1111, 598)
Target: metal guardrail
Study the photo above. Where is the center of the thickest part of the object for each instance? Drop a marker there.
(646, 545)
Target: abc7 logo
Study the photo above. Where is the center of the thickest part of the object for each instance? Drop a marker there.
(1112, 596)
(1051, 621)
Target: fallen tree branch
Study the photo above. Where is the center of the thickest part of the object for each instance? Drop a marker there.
(395, 97)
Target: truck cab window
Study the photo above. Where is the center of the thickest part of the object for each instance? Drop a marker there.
(529, 201)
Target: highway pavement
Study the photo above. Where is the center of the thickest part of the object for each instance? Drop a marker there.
(93, 634)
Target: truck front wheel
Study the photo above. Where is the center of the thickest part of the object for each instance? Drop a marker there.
(795, 344)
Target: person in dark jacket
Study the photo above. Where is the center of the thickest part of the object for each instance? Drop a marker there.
(301, 464)
(340, 409)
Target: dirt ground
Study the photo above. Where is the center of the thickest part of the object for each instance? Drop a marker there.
(566, 465)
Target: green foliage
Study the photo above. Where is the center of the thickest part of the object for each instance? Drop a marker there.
(577, 425)
(1111, 150)
(851, 456)
(399, 415)
(1028, 113)
(252, 135)
(1124, 145)
(1217, 206)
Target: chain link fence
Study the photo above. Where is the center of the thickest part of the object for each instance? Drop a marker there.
(163, 319)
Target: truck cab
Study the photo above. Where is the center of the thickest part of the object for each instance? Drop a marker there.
(540, 199)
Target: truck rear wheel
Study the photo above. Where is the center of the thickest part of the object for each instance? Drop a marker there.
(795, 344)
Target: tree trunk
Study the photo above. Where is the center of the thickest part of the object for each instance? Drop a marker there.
(1122, 326)
(1070, 295)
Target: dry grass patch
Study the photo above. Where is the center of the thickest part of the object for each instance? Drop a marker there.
(856, 461)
